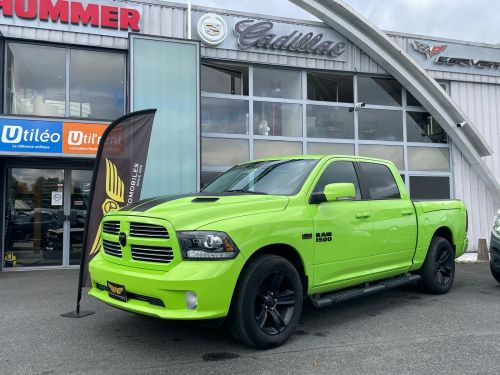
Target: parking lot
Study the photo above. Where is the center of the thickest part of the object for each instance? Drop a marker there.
(399, 332)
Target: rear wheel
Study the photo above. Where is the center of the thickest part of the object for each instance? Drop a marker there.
(495, 273)
(438, 271)
(268, 302)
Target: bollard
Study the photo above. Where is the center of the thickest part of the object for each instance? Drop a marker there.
(482, 251)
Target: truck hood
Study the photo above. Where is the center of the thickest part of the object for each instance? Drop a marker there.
(191, 211)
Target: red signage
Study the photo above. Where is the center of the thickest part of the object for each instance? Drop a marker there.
(74, 12)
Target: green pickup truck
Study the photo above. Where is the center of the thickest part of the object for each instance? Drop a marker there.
(266, 235)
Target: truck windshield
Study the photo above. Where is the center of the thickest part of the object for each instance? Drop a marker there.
(275, 177)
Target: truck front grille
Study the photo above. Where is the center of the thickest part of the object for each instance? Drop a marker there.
(148, 230)
(111, 227)
(152, 253)
(112, 248)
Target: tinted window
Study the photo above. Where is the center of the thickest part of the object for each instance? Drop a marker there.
(379, 181)
(277, 177)
(329, 122)
(98, 93)
(329, 87)
(276, 83)
(338, 172)
(36, 88)
(427, 187)
(379, 91)
(224, 79)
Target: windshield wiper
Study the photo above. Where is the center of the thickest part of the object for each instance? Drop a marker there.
(244, 191)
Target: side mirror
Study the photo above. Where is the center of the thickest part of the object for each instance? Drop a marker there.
(340, 192)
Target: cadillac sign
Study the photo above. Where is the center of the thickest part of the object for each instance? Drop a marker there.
(277, 37)
(260, 34)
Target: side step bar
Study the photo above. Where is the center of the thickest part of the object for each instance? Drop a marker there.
(324, 300)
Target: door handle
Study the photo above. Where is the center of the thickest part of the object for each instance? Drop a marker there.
(363, 215)
(407, 213)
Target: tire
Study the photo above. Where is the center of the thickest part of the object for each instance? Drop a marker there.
(438, 271)
(495, 273)
(268, 303)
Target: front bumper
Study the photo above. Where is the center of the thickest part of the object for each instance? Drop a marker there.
(212, 281)
(495, 253)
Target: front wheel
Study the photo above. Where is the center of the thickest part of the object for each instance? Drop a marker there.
(268, 302)
(495, 273)
(438, 271)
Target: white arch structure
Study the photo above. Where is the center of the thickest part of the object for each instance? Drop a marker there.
(382, 49)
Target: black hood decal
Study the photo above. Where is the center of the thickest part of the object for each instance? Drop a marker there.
(147, 204)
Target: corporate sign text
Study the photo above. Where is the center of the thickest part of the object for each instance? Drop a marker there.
(55, 137)
(259, 34)
(273, 37)
(63, 13)
(457, 58)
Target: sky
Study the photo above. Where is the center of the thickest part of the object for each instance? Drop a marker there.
(471, 20)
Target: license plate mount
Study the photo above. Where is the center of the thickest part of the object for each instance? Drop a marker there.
(117, 291)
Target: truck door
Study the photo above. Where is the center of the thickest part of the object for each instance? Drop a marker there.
(342, 230)
(394, 225)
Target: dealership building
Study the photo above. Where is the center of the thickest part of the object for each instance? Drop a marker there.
(264, 86)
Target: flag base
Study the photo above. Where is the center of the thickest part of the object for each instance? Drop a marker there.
(77, 314)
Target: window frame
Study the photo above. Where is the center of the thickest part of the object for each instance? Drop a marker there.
(68, 48)
(318, 198)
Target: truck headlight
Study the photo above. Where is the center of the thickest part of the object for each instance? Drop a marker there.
(207, 245)
(496, 226)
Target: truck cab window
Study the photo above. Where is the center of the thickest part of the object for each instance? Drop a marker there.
(338, 172)
(379, 181)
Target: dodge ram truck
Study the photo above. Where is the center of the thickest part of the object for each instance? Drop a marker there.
(267, 234)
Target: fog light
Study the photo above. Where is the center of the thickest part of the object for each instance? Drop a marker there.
(191, 300)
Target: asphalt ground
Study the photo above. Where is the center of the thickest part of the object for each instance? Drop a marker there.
(403, 331)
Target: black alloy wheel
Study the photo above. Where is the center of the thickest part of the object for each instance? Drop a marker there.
(444, 265)
(268, 301)
(274, 303)
(438, 270)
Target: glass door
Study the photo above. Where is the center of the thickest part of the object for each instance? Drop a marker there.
(34, 217)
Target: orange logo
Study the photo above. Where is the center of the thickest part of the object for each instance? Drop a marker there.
(80, 138)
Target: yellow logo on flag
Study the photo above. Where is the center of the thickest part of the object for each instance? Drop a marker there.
(115, 189)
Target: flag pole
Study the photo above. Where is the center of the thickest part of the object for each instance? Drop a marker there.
(78, 313)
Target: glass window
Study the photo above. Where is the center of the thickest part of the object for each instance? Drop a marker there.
(327, 87)
(224, 78)
(224, 116)
(277, 119)
(220, 151)
(411, 100)
(392, 153)
(379, 181)
(380, 91)
(338, 172)
(421, 127)
(429, 187)
(36, 80)
(265, 149)
(330, 148)
(274, 83)
(329, 122)
(97, 84)
(428, 159)
(208, 176)
(380, 125)
(277, 177)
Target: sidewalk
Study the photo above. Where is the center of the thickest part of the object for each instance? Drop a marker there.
(469, 258)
